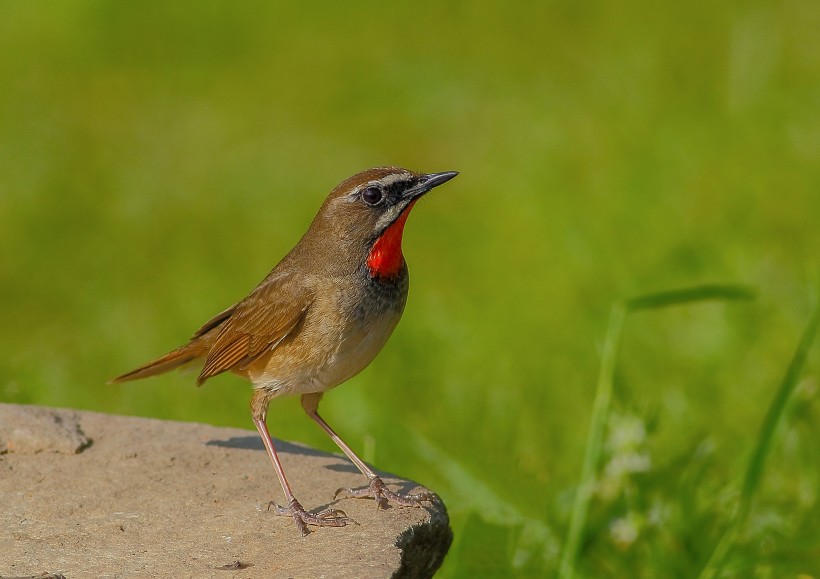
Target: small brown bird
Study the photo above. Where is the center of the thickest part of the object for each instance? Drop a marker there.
(319, 317)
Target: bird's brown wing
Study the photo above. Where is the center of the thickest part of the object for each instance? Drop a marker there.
(214, 322)
(256, 325)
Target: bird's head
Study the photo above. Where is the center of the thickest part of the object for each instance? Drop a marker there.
(365, 215)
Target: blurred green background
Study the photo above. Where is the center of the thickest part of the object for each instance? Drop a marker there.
(158, 158)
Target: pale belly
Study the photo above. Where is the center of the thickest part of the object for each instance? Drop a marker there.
(356, 351)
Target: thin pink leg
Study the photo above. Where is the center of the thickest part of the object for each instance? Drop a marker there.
(329, 518)
(376, 488)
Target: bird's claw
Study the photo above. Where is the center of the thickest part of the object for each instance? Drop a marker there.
(383, 495)
(326, 518)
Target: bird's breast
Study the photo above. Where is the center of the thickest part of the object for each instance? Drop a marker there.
(345, 328)
(369, 322)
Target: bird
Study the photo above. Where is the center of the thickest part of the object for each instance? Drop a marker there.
(318, 318)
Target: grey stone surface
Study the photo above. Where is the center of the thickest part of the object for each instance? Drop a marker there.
(33, 429)
(84, 494)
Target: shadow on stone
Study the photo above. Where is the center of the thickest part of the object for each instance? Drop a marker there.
(341, 467)
(255, 443)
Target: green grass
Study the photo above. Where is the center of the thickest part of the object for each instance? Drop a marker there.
(156, 160)
(603, 402)
(755, 469)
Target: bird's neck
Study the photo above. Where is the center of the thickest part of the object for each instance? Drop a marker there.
(385, 259)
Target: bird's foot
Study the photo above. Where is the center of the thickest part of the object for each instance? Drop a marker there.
(383, 495)
(327, 518)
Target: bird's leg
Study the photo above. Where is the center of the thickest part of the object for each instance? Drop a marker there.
(328, 518)
(376, 488)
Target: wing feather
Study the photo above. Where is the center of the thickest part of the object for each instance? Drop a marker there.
(256, 325)
(214, 322)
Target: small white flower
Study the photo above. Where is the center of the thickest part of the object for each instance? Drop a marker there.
(625, 530)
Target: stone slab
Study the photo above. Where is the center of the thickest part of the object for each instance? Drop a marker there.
(84, 494)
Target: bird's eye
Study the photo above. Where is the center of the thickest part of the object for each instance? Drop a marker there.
(372, 196)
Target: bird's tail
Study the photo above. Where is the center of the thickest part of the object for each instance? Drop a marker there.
(198, 347)
(179, 357)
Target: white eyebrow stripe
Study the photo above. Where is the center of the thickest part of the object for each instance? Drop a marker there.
(392, 179)
(385, 182)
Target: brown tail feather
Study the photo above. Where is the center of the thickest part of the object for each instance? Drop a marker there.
(169, 361)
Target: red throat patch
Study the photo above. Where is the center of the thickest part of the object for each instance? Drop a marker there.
(386, 258)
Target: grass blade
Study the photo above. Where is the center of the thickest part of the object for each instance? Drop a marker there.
(595, 440)
(754, 470)
(694, 294)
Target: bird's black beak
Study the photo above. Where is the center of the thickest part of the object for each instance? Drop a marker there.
(427, 182)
